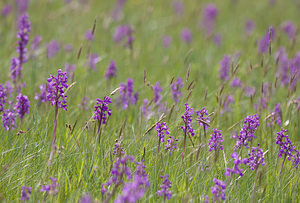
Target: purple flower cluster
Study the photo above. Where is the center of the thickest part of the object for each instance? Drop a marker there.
(225, 67)
(226, 104)
(53, 48)
(256, 158)
(56, 89)
(186, 36)
(126, 94)
(135, 190)
(286, 147)
(89, 35)
(156, 91)
(117, 12)
(6, 10)
(165, 186)
(278, 114)
(84, 103)
(265, 42)
(3, 97)
(187, 119)
(172, 144)
(289, 28)
(70, 68)
(166, 41)
(236, 83)
(218, 190)
(235, 170)
(146, 109)
(296, 159)
(42, 97)
(249, 27)
(246, 134)
(162, 130)
(26, 191)
(118, 150)
(124, 33)
(102, 112)
(22, 106)
(22, 5)
(176, 92)
(93, 60)
(9, 120)
(203, 118)
(111, 70)
(50, 188)
(216, 141)
(210, 14)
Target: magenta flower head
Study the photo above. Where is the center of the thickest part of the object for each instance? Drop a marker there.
(246, 134)
(23, 35)
(26, 191)
(265, 42)
(166, 41)
(235, 170)
(289, 28)
(127, 96)
(9, 120)
(296, 159)
(111, 70)
(22, 106)
(53, 48)
(249, 27)
(89, 35)
(123, 33)
(50, 189)
(15, 71)
(156, 91)
(6, 10)
(210, 14)
(175, 87)
(187, 119)
(256, 158)
(86, 199)
(3, 97)
(286, 147)
(171, 144)
(186, 36)
(218, 190)
(162, 130)
(203, 118)
(42, 97)
(56, 89)
(164, 187)
(84, 103)
(236, 83)
(102, 112)
(146, 109)
(22, 5)
(216, 141)
(118, 10)
(250, 91)
(225, 67)
(35, 45)
(93, 60)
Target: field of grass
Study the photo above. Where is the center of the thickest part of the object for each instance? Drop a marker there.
(84, 157)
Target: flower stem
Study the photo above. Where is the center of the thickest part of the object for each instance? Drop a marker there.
(54, 136)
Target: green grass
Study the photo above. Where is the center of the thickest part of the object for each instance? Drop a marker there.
(84, 163)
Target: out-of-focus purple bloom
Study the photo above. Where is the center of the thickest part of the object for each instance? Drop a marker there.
(126, 94)
(265, 42)
(246, 134)
(225, 67)
(175, 87)
(93, 60)
(118, 10)
(70, 68)
(286, 147)
(6, 10)
(186, 36)
(146, 109)
(111, 70)
(295, 71)
(14, 69)
(256, 158)
(9, 120)
(86, 199)
(216, 141)
(42, 97)
(156, 91)
(289, 28)
(22, 5)
(164, 187)
(118, 150)
(172, 144)
(26, 191)
(178, 7)
(210, 14)
(187, 119)
(102, 112)
(283, 65)
(278, 114)
(68, 47)
(3, 97)
(51, 188)
(218, 39)
(56, 89)
(89, 35)
(162, 130)
(296, 159)
(250, 91)
(83, 104)
(166, 41)
(218, 190)
(53, 48)
(35, 45)
(22, 105)
(236, 83)
(249, 27)
(9, 89)
(135, 190)
(226, 104)
(124, 33)
(235, 170)
(203, 118)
